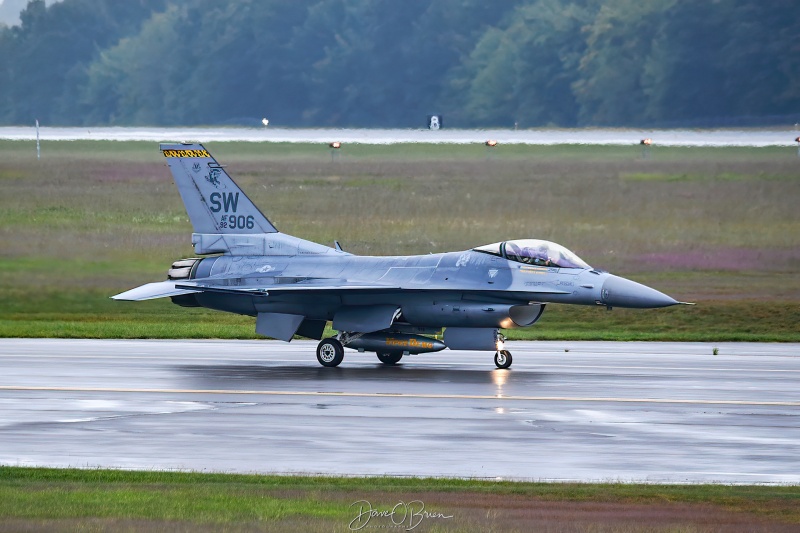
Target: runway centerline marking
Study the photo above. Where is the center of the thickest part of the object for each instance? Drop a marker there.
(398, 395)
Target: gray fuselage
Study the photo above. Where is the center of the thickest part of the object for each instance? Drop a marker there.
(454, 283)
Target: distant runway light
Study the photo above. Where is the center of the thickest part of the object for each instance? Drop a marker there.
(335, 145)
(646, 143)
(491, 143)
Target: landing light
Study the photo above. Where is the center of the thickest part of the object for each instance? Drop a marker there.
(500, 345)
(335, 145)
(646, 142)
(491, 143)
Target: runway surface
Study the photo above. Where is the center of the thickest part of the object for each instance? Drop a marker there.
(657, 412)
(545, 136)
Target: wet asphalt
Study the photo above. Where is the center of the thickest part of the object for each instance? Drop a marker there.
(590, 411)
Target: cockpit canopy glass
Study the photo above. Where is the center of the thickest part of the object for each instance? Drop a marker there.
(542, 253)
(493, 249)
(535, 252)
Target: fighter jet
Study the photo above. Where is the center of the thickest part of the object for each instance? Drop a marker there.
(392, 306)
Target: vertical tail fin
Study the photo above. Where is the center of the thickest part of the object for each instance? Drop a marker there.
(214, 203)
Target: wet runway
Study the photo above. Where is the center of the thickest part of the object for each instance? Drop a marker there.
(564, 411)
(542, 136)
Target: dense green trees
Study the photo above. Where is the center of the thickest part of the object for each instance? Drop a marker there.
(45, 56)
(384, 63)
(523, 70)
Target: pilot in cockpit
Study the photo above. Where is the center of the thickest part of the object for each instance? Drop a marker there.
(535, 252)
(536, 256)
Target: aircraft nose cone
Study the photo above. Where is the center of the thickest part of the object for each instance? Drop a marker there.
(621, 292)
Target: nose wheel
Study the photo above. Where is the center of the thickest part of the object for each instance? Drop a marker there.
(503, 359)
(330, 352)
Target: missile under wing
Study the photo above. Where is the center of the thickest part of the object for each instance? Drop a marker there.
(390, 305)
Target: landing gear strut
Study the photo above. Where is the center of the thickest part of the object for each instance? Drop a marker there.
(390, 358)
(502, 359)
(330, 352)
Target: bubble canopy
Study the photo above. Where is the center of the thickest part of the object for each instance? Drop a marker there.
(535, 252)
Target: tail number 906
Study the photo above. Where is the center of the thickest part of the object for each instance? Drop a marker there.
(238, 222)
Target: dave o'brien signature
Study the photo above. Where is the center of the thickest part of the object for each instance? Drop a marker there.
(409, 514)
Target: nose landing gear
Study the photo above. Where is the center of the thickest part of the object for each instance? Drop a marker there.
(502, 358)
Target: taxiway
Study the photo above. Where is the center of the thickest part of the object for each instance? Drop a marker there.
(655, 412)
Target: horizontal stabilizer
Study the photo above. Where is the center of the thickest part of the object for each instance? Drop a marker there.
(150, 291)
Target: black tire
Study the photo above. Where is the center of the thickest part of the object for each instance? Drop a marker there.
(390, 358)
(503, 359)
(330, 352)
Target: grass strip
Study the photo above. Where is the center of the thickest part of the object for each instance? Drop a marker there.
(716, 226)
(202, 498)
(90, 314)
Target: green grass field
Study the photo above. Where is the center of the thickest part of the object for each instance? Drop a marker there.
(716, 226)
(33, 499)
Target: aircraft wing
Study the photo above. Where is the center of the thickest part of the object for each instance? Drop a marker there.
(332, 286)
(316, 285)
(166, 289)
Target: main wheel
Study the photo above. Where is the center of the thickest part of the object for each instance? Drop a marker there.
(390, 358)
(330, 352)
(503, 359)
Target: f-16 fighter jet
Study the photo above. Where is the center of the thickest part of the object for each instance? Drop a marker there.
(392, 306)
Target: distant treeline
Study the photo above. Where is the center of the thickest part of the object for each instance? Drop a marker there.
(389, 63)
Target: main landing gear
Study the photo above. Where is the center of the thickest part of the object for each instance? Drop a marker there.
(330, 352)
(390, 358)
(502, 359)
